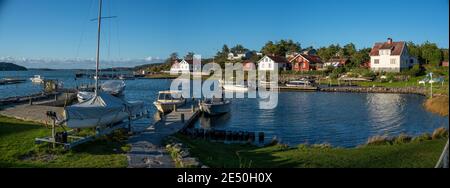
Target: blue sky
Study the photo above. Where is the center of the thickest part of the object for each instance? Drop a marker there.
(60, 29)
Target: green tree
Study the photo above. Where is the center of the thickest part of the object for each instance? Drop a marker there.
(431, 53)
(238, 49)
(349, 50)
(189, 56)
(359, 57)
(444, 54)
(326, 53)
(281, 47)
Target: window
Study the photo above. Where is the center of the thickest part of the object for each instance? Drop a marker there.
(376, 61)
(381, 52)
(270, 65)
(393, 62)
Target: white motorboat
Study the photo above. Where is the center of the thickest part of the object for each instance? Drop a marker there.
(126, 77)
(37, 79)
(302, 84)
(215, 106)
(167, 100)
(113, 87)
(237, 88)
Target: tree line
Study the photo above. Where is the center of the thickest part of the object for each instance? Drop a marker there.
(426, 53)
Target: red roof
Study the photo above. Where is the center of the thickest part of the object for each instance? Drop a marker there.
(395, 47)
(313, 59)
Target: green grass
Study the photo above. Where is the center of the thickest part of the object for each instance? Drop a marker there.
(17, 149)
(423, 154)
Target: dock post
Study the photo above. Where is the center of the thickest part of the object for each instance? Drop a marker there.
(31, 101)
(182, 118)
(261, 137)
(193, 108)
(56, 97)
(54, 134)
(174, 107)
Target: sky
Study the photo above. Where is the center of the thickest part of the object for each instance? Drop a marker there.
(60, 33)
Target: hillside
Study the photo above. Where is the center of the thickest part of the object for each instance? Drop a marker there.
(11, 67)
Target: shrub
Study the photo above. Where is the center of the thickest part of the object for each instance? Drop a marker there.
(402, 139)
(440, 133)
(302, 147)
(379, 140)
(322, 146)
(416, 70)
(421, 138)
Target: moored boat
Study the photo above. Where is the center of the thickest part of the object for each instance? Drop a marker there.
(101, 110)
(215, 106)
(303, 84)
(37, 79)
(168, 100)
(113, 87)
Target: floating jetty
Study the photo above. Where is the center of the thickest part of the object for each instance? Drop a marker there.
(9, 81)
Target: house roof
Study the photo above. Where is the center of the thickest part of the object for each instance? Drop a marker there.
(311, 58)
(395, 47)
(189, 61)
(278, 59)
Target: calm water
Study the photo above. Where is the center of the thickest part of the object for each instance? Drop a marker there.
(340, 119)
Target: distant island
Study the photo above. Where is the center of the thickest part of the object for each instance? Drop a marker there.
(11, 67)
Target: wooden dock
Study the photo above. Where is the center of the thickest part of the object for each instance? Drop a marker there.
(147, 147)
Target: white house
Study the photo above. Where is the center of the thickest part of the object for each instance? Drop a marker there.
(391, 57)
(181, 65)
(268, 63)
(239, 56)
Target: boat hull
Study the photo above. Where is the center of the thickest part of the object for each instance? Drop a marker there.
(105, 120)
(215, 109)
(168, 106)
(235, 88)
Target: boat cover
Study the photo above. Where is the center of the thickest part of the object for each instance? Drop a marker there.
(101, 105)
(113, 86)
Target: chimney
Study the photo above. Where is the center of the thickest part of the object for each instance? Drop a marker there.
(389, 40)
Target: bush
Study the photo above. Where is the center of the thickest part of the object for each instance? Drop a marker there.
(402, 139)
(421, 138)
(440, 133)
(415, 71)
(379, 140)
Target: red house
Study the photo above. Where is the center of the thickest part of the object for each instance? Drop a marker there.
(303, 62)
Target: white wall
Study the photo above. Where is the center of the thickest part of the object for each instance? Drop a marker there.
(181, 67)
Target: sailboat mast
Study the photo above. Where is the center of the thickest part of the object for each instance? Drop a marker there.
(98, 46)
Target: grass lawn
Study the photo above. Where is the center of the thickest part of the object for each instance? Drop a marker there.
(416, 154)
(17, 149)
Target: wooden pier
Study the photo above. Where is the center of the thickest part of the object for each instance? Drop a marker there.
(11, 81)
(147, 147)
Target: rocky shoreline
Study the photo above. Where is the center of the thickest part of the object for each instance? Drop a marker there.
(357, 89)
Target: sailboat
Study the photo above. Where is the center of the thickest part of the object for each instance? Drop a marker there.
(103, 109)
